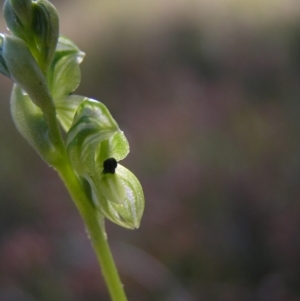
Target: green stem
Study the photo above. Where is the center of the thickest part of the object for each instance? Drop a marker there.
(96, 231)
(54, 131)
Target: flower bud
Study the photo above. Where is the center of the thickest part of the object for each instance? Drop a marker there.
(45, 27)
(37, 24)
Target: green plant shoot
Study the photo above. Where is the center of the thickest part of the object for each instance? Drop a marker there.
(44, 67)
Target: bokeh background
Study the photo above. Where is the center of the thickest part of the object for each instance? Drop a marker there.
(208, 94)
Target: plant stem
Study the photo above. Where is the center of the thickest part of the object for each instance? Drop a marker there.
(96, 232)
(54, 131)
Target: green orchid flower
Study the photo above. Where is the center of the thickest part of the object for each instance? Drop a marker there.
(95, 144)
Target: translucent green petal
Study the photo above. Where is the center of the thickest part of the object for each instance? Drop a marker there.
(65, 46)
(112, 188)
(66, 107)
(92, 125)
(116, 147)
(66, 76)
(128, 212)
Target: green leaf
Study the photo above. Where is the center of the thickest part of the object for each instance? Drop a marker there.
(66, 107)
(92, 125)
(30, 122)
(126, 212)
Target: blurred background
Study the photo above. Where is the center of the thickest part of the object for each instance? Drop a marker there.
(208, 95)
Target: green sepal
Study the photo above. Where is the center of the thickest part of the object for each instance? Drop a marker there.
(30, 122)
(18, 17)
(23, 9)
(65, 77)
(24, 70)
(92, 125)
(64, 74)
(116, 147)
(66, 107)
(65, 46)
(126, 212)
(112, 187)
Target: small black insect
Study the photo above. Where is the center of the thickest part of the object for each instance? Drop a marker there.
(110, 165)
